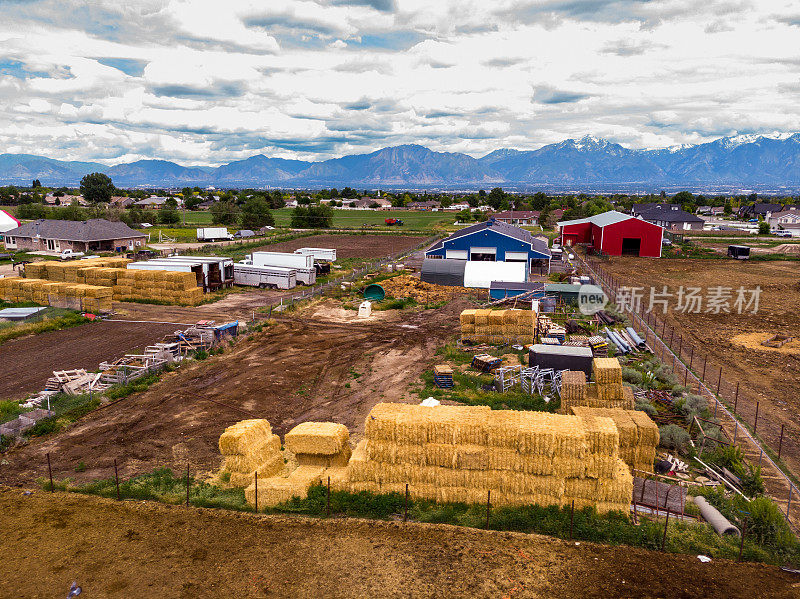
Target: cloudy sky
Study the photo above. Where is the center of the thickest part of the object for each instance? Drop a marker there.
(209, 81)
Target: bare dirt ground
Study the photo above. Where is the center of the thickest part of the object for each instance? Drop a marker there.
(28, 362)
(769, 377)
(351, 246)
(138, 549)
(295, 370)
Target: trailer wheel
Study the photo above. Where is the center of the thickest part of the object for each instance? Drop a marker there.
(262, 285)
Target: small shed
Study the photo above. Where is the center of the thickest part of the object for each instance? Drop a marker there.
(739, 252)
(566, 292)
(503, 289)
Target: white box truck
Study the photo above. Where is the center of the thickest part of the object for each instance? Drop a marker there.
(275, 277)
(304, 265)
(213, 234)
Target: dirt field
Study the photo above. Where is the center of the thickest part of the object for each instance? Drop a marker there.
(769, 377)
(296, 370)
(28, 362)
(351, 246)
(138, 549)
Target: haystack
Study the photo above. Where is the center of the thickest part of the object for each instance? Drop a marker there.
(249, 447)
(324, 444)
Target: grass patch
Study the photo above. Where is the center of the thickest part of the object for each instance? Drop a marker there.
(69, 320)
(162, 485)
(137, 386)
(9, 410)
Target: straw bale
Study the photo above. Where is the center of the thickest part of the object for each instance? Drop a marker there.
(509, 317)
(573, 385)
(276, 490)
(238, 437)
(601, 435)
(628, 399)
(482, 317)
(607, 370)
(393, 453)
(467, 329)
(338, 460)
(467, 317)
(257, 453)
(609, 391)
(321, 438)
(271, 467)
(600, 466)
(647, 429)
(626, 427)
(496, 317)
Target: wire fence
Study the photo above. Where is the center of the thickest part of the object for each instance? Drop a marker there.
(733, 402)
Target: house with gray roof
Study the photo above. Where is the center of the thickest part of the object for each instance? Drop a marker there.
(672, 218)
(94, 235)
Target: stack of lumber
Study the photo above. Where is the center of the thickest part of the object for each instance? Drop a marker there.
(498, 326)
(322, 450)
(460, 453)
(599, 346)
(410, 286)
(125, 284)
(249, 447)
(638, 434)
(89, 298)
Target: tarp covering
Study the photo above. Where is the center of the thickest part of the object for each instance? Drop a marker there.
(443, 272)
(481, 274)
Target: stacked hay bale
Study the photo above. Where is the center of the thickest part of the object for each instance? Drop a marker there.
(322, 450)
(160, 285)
(573, 390)
(249, 447)
(608, 391)
(460, 453)
(498, 326)
(638, 434)
(90, 298)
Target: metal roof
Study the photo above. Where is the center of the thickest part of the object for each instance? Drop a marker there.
(518, 285)
(601, 220)
(96, 229)
(499, 227)
(19, 313)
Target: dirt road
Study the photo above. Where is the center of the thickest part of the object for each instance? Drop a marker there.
(296, 370)
(352, 246)
(28, 362)
(138, 549)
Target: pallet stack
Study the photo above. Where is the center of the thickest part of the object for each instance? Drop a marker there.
(443, 376)
(486, 362)
(249, 447)
(638, 434)
(322, 450)
(460, 453)
(498, 326)
(599, 346)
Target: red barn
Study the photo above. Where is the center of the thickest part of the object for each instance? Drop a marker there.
(615, 234)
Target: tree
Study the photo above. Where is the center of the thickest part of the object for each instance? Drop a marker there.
(168, 216)
(96, 188)
(224, 212)
(496, 197)
(31, 211)
(256, 214)
(763, 228)
(192, 202)
(312, 217)
(464, 216)
(36, 183)
(727, 209)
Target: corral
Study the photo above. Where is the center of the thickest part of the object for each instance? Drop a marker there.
(767, 376)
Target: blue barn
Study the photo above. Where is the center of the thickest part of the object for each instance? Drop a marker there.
(494, 241)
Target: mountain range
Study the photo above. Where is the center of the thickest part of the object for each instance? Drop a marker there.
(741, 162)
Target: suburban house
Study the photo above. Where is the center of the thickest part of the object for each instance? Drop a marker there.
(95, 235)
(711, 210)
(458, 207)
(64, 200)
(205, 205)
(426, 205)
(784, 217)
(672, 218)
(122, 201)
(638, 209)
(494, 241)
(7, 222)
(518, 217)
(155, 202)
(763, 209)
(615, 234)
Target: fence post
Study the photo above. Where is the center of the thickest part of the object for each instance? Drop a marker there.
(116, 477)
(780, 446)
(572, 517)
(719, 380)
(50, 472)
(755, 424)
(705, 361)
(741, 542)
(664, 538)
(488, 507)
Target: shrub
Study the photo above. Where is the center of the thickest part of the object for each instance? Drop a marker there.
(693, 405)
(646, 407)
(631, 375)
(673, 437)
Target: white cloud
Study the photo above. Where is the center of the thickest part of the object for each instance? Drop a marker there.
(205, 82)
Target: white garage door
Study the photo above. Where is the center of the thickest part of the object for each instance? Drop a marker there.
(516, 256)
(456, 254)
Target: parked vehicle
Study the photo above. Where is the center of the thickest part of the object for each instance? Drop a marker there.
(397, 222)
(71, 254)
(274, 277)
(304, 265)
(319, 254)
(783, 233)
(213, 234)
(242, 233)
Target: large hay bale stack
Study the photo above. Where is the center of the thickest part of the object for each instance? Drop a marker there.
(498, 326)
(325, 444)
(249, 447)
(638, 434)
(460, 453)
